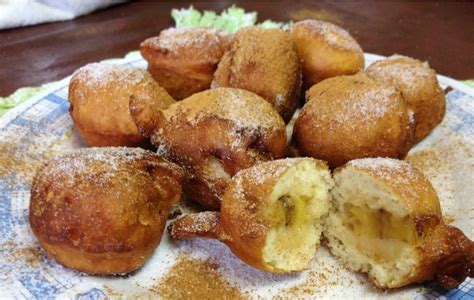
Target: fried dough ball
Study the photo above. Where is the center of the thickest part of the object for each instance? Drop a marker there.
(386, 222)
(271, 214)
(98, 103)
(325, 51)
(212, 135)
(263, 61)
(349, 117)
(183, 61)
(103, 210)
(419, 86)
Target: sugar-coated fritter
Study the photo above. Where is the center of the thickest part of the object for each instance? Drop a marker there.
(98, 103)
(263, 61)
(271, 215)
(183, 61)
(212, 135)
(419, 86)
(103, 210)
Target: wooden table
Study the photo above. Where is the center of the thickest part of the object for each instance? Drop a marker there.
(442, 33)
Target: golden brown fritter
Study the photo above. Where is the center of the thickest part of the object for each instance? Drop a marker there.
(271, 214)
(349, 117)
(183, 61)
(98, 103)
(419, 86)
(325, 51)
(386, 221)
(263, 61)
(212, 135)
(103, 210)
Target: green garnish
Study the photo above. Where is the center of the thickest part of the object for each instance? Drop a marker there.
(231, 19)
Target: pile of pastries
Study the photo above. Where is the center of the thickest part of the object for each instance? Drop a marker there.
(219, 110)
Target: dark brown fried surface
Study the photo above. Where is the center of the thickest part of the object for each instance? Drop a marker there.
(103, 210)
(212, 135)
(263, 61)
(205, 224)
(349, 117)
(448, 257)
(183, 61)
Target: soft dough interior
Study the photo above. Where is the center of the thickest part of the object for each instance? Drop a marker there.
(370, 230)
(299, 200)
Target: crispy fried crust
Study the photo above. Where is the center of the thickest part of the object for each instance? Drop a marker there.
(103, 210)
(419, 86)
(243, 222)
(212, 135)
(204, 224)
(183, 61)
(242, 210)
(325, 51)
(413, 188)
(448, 257)
(444, 253)
(98, 103)
(349, 117)
(263, 61)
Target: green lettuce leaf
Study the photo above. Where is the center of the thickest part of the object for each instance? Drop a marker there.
(231, 19)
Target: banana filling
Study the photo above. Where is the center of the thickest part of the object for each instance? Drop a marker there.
(370, 229)
(299, 200)
(378, 234)
(292, 210)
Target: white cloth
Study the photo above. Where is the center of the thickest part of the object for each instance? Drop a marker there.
(16, 13)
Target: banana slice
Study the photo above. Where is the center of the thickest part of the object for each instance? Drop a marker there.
(271, 214)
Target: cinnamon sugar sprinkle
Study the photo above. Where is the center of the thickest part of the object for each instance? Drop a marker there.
(20, 158)
(449, 164)
(192, 278)
(198, 39)
(243, 108)
(18, 254)
(319, 281)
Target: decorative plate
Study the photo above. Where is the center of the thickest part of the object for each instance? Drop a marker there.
(42, 127)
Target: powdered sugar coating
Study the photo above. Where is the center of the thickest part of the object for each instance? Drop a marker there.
(414, 190)
(354, 96)
(99, 96)
(332, 34)
(404, 72)
(201, 44)
(98, 75)
(98, 166)
(376, 103)
(419, 86)
(349, 117)
(172, 39)
(263, 173)
(244, 109)
(266, 171)
(387, 168)
(183, 61)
